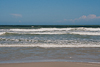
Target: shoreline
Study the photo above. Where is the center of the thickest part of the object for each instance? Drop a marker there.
(51, 64)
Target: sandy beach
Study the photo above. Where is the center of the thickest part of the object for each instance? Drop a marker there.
(51, 64)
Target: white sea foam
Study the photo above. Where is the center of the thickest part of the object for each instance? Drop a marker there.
(86, 33)
(79, 30)
(1, 33)
(93, 29)
(86, 29)
(59, 29)
(58, 32)
(48, 45)
(49, 33)
(41, 29)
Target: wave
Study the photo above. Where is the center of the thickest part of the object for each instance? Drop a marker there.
(44, 33)
(93, 29)
(74, 31)
(58, 29)
(49, 45)
(36, 33)
(41, 29)
(86, 29)
(86, 33)
(1, 33)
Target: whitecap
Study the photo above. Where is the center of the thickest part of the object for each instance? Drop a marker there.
(1, 33)
(48, 45)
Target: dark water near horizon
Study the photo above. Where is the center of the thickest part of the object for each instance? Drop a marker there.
(43, 43)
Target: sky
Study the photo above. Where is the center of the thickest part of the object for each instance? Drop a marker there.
(49, 12)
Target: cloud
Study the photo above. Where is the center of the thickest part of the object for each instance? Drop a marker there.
(91, 16)
(65, 19)
(17, 15)
(84, 17)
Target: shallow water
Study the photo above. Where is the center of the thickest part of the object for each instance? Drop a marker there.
(74, 44)
(34, 54)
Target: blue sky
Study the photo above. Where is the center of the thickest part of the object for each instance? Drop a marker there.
(49, 12)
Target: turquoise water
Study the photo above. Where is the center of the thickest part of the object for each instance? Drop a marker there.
(39, 43)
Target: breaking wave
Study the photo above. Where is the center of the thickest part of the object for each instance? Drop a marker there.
(42, 29)
(1, 33)
(74, 31)
(86, 33)
(49, 45)
(43, 33)
(58, 29)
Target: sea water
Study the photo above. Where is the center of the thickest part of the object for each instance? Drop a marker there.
(43, 43)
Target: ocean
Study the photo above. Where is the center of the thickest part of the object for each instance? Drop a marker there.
(48, 43)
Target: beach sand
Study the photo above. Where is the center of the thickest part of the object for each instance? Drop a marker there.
(51, 64)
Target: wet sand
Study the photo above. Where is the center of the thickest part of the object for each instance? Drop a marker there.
(51, 64)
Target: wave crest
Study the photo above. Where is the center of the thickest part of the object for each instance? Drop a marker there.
(49, 45)
(2, 33)
(74, 31)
